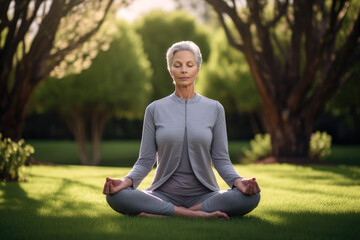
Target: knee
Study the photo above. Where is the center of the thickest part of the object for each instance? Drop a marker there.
(251, 200)
(245, 203)
(118, 201)
(256, 199)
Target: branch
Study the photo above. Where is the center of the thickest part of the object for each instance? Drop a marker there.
(234, 5)
(303, 83)
(270, 65)
(229, 36)
(25, 23)
(296, 39)
(334, 75)
(277, 42)
(256, 10)
(282, 9)
(57, 57)
(4, 21)
(314, 48)
(45, 36)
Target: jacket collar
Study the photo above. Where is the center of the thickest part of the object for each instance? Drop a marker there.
(194, 99)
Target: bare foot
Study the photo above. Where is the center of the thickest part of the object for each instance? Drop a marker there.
(143, 214)
(216, 214)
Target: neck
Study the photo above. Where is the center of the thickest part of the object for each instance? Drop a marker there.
(185, 92)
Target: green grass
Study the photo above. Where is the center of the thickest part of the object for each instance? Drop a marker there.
(125, 153)
(298, 202)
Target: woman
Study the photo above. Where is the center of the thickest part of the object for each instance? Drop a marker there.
(185, 134)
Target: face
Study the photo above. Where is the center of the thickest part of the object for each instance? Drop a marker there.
(184, 69)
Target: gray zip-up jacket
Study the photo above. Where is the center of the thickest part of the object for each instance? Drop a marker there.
(163, 135)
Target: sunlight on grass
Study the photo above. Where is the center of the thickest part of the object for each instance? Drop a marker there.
(66, 202)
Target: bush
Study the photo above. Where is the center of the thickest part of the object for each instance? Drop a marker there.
(320, 145)
(260, 147)
(13, 155)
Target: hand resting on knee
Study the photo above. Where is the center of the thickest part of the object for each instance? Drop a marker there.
(115, 185)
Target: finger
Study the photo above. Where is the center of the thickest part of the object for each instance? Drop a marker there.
(257, 187)
(247, 190)
(254, 189)
(106, 189)
(109, 187)
(246, 182)
(112, 188)
(250, 186)
(225, 216)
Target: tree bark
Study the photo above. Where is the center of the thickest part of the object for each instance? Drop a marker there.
(77, 125)
(98, 124)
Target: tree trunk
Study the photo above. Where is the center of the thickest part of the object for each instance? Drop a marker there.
(98, 123)
(290, 135)
(13, 108)
(77, 125)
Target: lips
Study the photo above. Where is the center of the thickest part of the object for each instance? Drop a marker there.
(184, 78)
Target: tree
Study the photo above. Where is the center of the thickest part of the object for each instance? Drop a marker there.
(345, 105)
(116, 83)
(159, 30)
(296, 60)
(31, 47)
(227, 78)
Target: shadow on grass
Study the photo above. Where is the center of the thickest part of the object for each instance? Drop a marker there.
(348, 172)
(21, 219)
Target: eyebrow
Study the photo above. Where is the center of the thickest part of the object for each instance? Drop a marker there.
(177, 61)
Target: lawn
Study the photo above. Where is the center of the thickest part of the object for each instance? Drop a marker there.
(125, 153)
(298, 202)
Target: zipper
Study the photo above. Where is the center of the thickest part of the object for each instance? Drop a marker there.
(185, 114)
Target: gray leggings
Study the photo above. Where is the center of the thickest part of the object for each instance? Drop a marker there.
(132, 202)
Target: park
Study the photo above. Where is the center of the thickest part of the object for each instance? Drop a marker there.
(72, 103)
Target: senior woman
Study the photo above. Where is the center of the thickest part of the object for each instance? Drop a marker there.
(185, 134)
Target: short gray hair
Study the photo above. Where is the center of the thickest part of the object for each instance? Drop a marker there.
(182, 46)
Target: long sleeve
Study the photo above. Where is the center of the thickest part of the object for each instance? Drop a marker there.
(219, 149)
(147, 153)
(163, 136)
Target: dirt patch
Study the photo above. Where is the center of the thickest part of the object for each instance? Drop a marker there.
(31, 162)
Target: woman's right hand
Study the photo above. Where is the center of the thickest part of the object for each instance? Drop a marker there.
(115, 185)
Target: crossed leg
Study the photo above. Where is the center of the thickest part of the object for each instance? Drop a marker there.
(222, 205)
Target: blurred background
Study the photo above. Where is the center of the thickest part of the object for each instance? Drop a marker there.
(78, 81)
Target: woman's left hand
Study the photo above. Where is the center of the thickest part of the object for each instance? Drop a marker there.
(247, 186)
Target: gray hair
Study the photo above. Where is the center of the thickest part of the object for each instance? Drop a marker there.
(181, 46)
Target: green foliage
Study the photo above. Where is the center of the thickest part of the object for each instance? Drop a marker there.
(226, 77)
(13, 156)
(116, 82)
(320, 145)
(260, 147)
(159, 30)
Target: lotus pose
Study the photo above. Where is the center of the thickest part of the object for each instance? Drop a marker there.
(185, 134)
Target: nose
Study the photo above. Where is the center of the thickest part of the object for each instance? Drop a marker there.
(183, 70)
